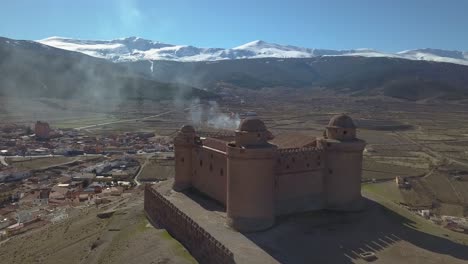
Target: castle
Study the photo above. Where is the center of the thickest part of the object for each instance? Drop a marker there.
(257, 180)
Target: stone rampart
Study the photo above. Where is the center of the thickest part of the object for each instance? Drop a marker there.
(202, 245)
(293, 160)
(225, 135)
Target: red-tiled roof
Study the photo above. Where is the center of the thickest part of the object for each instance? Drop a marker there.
(294, 140)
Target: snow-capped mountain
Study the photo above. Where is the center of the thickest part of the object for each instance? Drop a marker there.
(135, 49)
(458, 57)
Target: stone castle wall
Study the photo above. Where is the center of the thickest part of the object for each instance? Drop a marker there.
(225, 136)
(298, 177)
(299, 180)
(204, 247)
(292, 160)
(256, 181)
(209, 172)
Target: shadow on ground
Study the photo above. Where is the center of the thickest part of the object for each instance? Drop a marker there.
(204, 201)
(333, 237)
(330, 237)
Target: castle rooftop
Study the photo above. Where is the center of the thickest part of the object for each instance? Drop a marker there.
(252, 124)
(293, 140)
(341, 121)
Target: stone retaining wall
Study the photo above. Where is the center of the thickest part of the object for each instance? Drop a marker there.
(203, 246)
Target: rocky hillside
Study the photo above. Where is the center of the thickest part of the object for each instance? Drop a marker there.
(32, 69)
(400, 78)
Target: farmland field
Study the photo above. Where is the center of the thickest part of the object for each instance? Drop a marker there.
(409, 139)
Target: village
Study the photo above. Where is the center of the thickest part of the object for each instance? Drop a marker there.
(47, 174)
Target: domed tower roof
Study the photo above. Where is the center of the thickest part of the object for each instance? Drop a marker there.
(187, 129)
(341, 121)
(252, 125)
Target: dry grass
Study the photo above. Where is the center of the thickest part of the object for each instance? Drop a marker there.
(373, 169)
(157, 170)
(38, 163)
(85, 238)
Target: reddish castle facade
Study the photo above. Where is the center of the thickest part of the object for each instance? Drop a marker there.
(257, 180)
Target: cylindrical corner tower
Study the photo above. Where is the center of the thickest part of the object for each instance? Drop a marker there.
(183, 145)
(250, 176)
(342, 176)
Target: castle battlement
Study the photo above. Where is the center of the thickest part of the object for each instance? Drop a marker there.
(214, 143)
(219, 135)
(305, 150)
(257, 180)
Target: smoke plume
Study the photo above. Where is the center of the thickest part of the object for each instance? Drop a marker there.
(212, 116)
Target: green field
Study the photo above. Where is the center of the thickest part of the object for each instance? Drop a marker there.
(387, 190)
(376, 169)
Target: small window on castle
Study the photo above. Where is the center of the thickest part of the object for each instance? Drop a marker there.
(287, 166)
(318, 163)
(211, 167)
(211, 155)
(182, 159)
(221, 172)
(201, 163)
(330, 171)
(345, 132)
(293, 160)
(308, 165)
(258, 135)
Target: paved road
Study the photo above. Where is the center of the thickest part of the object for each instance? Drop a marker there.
(134, 119)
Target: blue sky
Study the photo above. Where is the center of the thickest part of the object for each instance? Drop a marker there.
(391, 25)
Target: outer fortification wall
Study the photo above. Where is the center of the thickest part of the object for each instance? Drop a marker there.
(204, 247)
(299, 183)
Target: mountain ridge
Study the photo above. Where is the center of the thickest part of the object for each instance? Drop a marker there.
(137, 49)
(33, 69)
